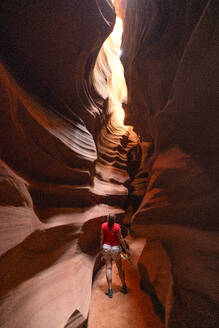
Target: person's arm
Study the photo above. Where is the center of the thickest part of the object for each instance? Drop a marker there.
(101, 239)
(122, 241)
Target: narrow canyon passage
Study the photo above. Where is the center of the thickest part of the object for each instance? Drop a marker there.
(82, 135)
(133, 310)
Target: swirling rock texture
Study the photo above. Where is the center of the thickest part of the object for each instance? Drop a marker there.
(170, 57)
(66, 158)
(54, 191)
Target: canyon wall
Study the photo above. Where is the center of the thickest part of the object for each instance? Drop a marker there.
(55, 188)
(65, 161)
(170, 57)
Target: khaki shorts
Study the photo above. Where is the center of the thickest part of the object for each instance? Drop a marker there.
(111, 252)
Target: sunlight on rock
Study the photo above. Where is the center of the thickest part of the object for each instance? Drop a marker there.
(117, 90)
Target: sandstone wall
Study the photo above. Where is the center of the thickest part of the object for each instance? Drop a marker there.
(63, 160)
(51, 117)
(171, 66)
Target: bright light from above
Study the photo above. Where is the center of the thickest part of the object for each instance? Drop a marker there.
(115, 86)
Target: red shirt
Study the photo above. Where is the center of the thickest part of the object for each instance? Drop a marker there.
(110, 238)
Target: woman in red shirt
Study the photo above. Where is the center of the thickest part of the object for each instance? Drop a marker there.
(111, 238)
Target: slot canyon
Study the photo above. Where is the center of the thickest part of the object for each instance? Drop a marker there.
(109, 107)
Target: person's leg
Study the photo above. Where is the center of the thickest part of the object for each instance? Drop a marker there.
(120, 270)
(108, 260)
(118, 260)
(109, 277)
(109, 272)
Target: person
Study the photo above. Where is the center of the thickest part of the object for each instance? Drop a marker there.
(110, 241)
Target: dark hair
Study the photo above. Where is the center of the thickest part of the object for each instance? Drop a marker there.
(111, 220)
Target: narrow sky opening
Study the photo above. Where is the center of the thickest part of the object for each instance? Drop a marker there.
(117, 85)
(113, 74)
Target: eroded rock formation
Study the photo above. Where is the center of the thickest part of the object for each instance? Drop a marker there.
(66, 159)
(171, 65)
(51, 117)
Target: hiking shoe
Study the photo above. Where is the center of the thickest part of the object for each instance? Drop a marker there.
(124, 289)
(110, 293)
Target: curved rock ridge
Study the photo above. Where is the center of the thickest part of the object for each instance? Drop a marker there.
(63, 145)
(49, 106)
(67, 159)
(46, 268)
(138, 168)
(115, 139)
(56, 56)
(110, 178)
(156, 34)
(170, 57)
(51, 117)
